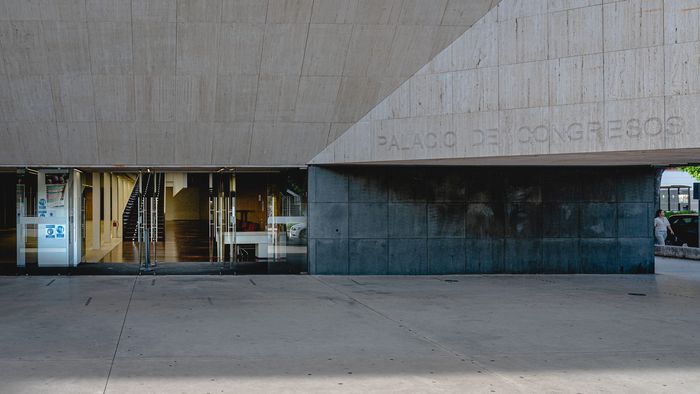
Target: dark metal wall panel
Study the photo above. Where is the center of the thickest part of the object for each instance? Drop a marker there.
(468, 220)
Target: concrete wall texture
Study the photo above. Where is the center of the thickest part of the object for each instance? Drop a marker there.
(205, 82)
(453, 220)
(547, 81)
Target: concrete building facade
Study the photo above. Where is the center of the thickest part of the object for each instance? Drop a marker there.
(202, 83)
(429, 127)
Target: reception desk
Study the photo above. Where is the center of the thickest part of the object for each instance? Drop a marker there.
(261, 240)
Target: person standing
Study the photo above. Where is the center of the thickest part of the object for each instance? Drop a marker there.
(661, 225)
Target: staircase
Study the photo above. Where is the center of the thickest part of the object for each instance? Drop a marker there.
(130, 216)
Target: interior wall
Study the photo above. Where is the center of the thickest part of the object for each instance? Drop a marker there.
(251, 199)
(185, 205)
(126, 188)
(8, 199)
(470, 220)
(8, 217)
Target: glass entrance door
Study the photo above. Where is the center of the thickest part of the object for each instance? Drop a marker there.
(222, 219)
(271, 222)
(150, 225)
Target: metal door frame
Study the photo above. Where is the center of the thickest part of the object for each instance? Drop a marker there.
(222, 218)
(147, 222)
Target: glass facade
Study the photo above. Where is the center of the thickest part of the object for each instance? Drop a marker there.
(270, 222)
(47, 234)
(251, 221)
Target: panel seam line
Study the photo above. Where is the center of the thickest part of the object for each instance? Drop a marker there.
(121, 331)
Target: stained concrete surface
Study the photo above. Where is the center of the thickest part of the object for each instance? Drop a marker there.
(211, 334)
(505, 220)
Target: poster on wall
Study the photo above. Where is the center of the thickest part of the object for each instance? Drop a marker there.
(55, 190)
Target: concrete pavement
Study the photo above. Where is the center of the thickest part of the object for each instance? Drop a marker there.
(222, 334)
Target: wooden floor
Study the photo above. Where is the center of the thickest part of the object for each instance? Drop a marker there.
(185, 241)
(8, 245)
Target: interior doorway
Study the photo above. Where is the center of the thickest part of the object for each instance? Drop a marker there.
(8, 221)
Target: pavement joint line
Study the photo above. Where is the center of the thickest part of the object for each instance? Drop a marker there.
(121, 331)
(479, 355)
(417, 334)
(589, 352)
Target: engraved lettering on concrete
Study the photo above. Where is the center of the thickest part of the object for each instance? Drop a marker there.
(674, 125)
(524, 134)
(431, 141)
(541, 133)
(614, 129)
(634, 129)
(595, 128)
(485, 137)
(653, 126)
(575, 131)
(417, 141)
(570, 132)
(450, 139)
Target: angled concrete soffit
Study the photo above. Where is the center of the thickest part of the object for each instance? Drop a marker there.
(541, 79)
(205, 83)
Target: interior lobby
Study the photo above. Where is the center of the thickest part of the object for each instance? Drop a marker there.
(125, 222)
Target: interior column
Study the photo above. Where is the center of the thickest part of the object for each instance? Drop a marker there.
(115, 205)
(120, 204)
(96, 210)
(107, 209)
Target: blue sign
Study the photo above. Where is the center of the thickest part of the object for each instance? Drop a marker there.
(50, 232)
(42, 208)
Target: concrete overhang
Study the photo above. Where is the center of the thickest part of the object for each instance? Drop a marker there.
(205, 83)
(553, 83)
(675, 157)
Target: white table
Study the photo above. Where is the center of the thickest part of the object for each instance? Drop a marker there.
(258, 238)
